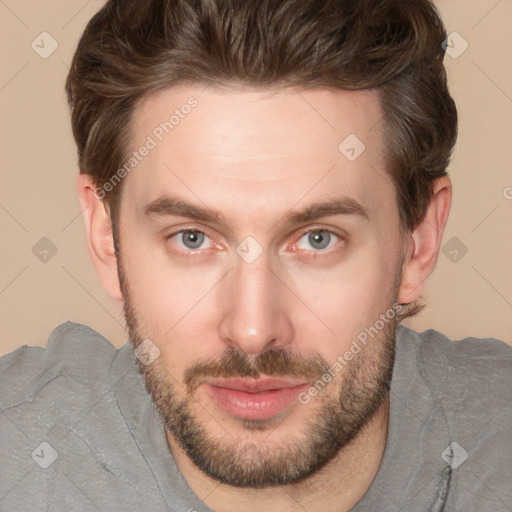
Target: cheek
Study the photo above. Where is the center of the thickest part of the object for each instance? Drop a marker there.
(174, 302)
(165, 291)
(345, 299)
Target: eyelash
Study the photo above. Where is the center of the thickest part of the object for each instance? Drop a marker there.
(313, 253)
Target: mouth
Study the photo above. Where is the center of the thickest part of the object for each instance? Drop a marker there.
(261, 398)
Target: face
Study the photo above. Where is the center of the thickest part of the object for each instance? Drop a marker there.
(255, 253)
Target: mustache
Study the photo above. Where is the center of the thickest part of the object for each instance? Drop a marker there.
(273, 362)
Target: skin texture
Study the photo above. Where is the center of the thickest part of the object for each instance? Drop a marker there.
(254, 156)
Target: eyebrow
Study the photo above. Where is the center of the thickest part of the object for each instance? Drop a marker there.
(166, 205)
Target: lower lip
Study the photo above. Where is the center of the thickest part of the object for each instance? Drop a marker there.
(255, 406)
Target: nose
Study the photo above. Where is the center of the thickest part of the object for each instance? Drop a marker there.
(254, 315)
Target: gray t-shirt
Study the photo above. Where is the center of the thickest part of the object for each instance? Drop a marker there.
(79, 431)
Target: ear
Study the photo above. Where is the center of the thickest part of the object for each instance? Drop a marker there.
(424, 243)
(100, 237)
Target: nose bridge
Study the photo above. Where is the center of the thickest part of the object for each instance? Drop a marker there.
(254, 317)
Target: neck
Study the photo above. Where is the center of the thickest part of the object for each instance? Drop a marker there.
(338, 486)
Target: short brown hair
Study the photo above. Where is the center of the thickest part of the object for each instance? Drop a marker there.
(132, 48)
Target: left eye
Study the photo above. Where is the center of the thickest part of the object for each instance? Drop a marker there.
(319, 239)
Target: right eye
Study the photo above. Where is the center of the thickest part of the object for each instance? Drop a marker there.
(190, 239)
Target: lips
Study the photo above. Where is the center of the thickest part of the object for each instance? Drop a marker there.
(254, 385)
(262, 398)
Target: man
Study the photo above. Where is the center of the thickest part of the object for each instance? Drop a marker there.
(264, 186)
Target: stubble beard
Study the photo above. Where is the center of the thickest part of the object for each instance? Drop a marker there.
(240, 462)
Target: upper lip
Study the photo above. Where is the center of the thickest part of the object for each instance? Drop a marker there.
(251, 385)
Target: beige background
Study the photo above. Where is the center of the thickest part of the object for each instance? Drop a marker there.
(468, 297)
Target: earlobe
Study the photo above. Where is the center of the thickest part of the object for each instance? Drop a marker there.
(424, 243)
(100, 238)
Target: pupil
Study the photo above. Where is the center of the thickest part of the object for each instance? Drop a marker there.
(319, 239)
(193, 239)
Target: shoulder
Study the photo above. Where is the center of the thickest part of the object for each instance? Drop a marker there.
(471, 378)
(486, 361)
(74, 351)
(63, 435)
(471, 382)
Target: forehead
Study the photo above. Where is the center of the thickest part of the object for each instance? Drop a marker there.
(235, 148)
(255, 117)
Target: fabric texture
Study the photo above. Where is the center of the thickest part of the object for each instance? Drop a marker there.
(80, 431)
